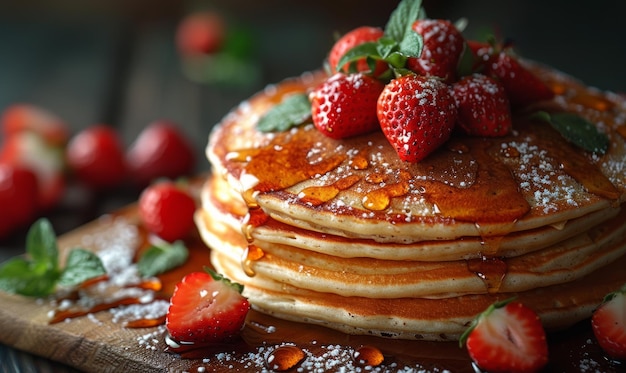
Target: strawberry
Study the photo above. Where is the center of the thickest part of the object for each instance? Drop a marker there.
(357, 36)
(96, 156)
(345, 105)
(18, 198)
(608, 323)
(507, 337)
(522, 86)
(160, 150)
(167, 210)
(30, 150)
(200, 33)
(417, 115)
(483, 106)
(206, 308)
(442, 48)
(17, 118)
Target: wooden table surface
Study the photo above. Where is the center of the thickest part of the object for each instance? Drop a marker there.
(115, 62)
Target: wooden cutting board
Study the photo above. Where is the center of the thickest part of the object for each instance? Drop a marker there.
(93, 343)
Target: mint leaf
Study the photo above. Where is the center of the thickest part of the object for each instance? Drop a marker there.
(364, 50)
(17, 276)
(294, 110)
(41, 244)
(402, 18)
(161, 258)
(38, 273)
(81, 266)
(577, 130)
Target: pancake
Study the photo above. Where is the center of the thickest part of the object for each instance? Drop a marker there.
(342, 233)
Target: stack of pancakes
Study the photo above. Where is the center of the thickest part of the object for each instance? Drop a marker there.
(343, 233)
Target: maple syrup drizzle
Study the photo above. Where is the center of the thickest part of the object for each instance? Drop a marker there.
(284, 358)
(368, 356)
(59, 315)
(491, 270)
(317, 195)
(380, 199)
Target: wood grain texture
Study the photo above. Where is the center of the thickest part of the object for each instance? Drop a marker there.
(92, 343)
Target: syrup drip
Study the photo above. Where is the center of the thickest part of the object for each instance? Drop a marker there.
(62, 315)
(369, 356)
(284, 358)
(251, 254)
(317, 195)
(491, 270)
(145, 323)
(380, 199)
(359, 162)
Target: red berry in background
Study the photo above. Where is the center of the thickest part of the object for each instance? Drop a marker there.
(160, 150)
(350, 40)
(167, 210)
(200, 33)
(96, 155)
(18, 118)
(18, 198)
(30, 150)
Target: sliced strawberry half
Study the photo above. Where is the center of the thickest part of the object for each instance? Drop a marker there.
(206, 308)
(507, 337)
(609, 324)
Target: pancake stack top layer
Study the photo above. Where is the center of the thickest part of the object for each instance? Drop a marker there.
(345, 234)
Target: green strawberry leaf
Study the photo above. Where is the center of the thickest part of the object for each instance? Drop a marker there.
(162, 257)
(81, 265)
(38, 273)
(577, 130)
(294, 110)
(364, 50)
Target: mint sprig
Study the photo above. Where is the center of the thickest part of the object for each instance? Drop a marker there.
(38, 273)
(162, 257)
(398, 43)
(576, 130)
(293, 110)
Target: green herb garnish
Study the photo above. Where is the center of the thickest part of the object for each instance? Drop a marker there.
(38, 273)
(293, 110)
(162, 257)
(399, 42)
(577, 130)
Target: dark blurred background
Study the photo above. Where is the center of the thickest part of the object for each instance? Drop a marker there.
(115, 61)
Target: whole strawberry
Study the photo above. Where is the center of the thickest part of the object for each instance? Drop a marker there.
(96, 156)
(442, 48)
(350, 40)
(507, 337)
(521, 85)
(345, 105)
(417, 115)
(160, 150)
(167, 210)
(18, 198)
(206, 308)
(483, 106)
(608, 323)
(19, 118)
